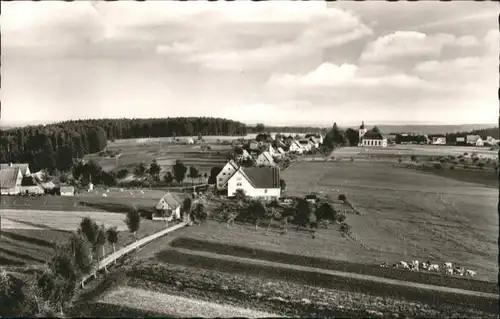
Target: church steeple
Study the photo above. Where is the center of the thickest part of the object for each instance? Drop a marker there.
(362, 125)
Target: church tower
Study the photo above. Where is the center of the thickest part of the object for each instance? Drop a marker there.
(362, 131)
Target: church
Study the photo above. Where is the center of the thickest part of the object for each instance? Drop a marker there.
(371, 138)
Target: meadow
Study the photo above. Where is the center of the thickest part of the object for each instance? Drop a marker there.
(134, 151)
(407, 214)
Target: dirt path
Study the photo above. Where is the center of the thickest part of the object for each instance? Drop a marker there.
(339, 273)
(176, 305)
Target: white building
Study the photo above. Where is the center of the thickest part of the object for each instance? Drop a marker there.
(67, 191)
(295, 147)
(439, 140)
(256, 182)
(475, 140)
(25, 168)
(371, 138)
(265, 159)
(169, 206)
(227, 171)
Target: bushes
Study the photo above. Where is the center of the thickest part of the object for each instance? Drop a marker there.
(438, 166)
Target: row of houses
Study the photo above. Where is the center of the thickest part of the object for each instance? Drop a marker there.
(17, 179)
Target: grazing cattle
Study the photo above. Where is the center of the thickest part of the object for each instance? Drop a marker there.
(449, 271)
(459, 271)
(425, 265)
(448, 265)
(104, 195)
(433, 267)
(415, 263)
(404, 264)
(470, 273)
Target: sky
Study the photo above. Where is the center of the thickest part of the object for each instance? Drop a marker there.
(277, 63)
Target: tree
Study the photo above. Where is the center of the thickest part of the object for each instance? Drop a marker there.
(325, 211)
(186, 206)
(168, 178)
(240, 195)
(154, 170)
(282, 185)
(179, 171)
(12, 297)
(257, 210)
(200, 212)
(303, 208)
(80, 249)
(122, 173)
(214, 171)
(99, 242)
(140, 172)
(133, 221)
(376, 129)
(193, 173)
(259, 128)
(352, 136)
(88, 228)
(112, 237)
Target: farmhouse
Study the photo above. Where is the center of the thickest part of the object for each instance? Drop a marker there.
(475, 140)
(491, 141)
(265, 159)
(256, 182)
(67, 191)
(460, 140)
(295, 147)
(30, 186)
(169, 207)
(243, 156)
(281, 151)
(439, 140)
(306, 145)
(25, 169)
(10, 181)
(227, 171)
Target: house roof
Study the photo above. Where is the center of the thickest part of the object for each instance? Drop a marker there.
(268, 157)
(370, 135)
(170, 200)
(281, 151)
(23, 166)
(473, 138)
(8, 177)
(65, 189)
(262, 177)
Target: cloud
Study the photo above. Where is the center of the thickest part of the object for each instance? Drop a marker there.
(407, 44)
(221, 36)
(329, 75)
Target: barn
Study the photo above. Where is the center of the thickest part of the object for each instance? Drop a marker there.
(168, 206)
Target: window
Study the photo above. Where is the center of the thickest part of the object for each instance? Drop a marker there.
(265, 191)
(223, 173)
(220, 179)
(238, 184)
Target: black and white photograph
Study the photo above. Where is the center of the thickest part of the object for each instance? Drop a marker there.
(255, 159)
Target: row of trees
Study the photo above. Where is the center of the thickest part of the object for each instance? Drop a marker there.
(56, 145)
(337, 137)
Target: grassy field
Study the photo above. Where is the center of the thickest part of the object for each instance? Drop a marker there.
(135, 151)
(29, 237)
(409, 214)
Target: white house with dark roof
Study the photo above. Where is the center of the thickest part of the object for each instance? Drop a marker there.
(265, 159)
(295, 147)
(439, 140)
(67, 191)
(256, 182)
(371, 138)
(475, 140)
(170, 205)
(227, 171)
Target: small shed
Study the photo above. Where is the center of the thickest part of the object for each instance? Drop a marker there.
(67, 191)
(169, 206)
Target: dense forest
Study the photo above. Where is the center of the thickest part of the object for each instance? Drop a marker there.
(261, 128)
(55, 146)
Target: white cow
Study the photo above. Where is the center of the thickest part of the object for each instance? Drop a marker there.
(433, 267)
(459, 271)
(121, 189)
(448, 265)
(104, 195)
(470, 273)
(404, 264)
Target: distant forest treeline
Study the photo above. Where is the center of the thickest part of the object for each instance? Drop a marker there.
(54, 146)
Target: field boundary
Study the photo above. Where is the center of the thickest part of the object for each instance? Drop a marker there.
(335, 265)
(382, 287)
